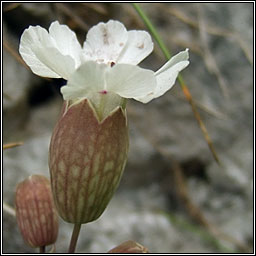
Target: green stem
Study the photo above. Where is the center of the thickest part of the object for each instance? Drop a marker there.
(74, 237)
(156, 36)
(185, 89)
(153, 31)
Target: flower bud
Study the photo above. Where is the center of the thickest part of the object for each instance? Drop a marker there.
(86, 160)
(35, 211)
(129, 247)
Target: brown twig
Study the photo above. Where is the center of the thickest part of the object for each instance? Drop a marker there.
(12, 145)
(9, 209)
(17, 57)
(11, 7)
(208, 56)
(200, 122)
(184, 87)
(194, 211)
(213, 31)
(96, 7)
(78, 20)
(14, 53)
(179, 181)
(203, 107)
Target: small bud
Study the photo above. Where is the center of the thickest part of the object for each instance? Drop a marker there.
(86, 160)
(35, 211)
(129, 247)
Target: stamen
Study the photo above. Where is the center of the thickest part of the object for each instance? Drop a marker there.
(112, 64)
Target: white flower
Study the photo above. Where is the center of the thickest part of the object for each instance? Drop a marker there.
(55, 54)
(106, 65)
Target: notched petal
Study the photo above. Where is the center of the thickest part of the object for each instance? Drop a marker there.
(66, 41)
(181, 56)
(167, 75)
(32, 40)
(55, 54)
(137, 48)
(105, 41)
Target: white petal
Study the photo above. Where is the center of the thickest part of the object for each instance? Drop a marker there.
(86, 80)
(166, 76)
(130, 81)
(105, 41)
(39, 51)
(137, 48)
(181, 56)
(32, 37)
(66, 41)
(166, 79)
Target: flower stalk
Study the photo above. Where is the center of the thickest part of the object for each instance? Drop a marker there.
(42, 249)
(74, 238)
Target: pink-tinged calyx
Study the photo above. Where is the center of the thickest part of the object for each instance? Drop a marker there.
(87, 157)
(35, 211)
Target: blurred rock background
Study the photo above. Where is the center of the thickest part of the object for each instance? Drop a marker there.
(173, 197)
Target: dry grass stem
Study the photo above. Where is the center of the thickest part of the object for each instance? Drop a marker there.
(9, 209)
(191, 208)
(77, 19)
(213, 30)
(11, 7)
(12, 145)
(201, 123)
(14, 53)
(209, 59)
